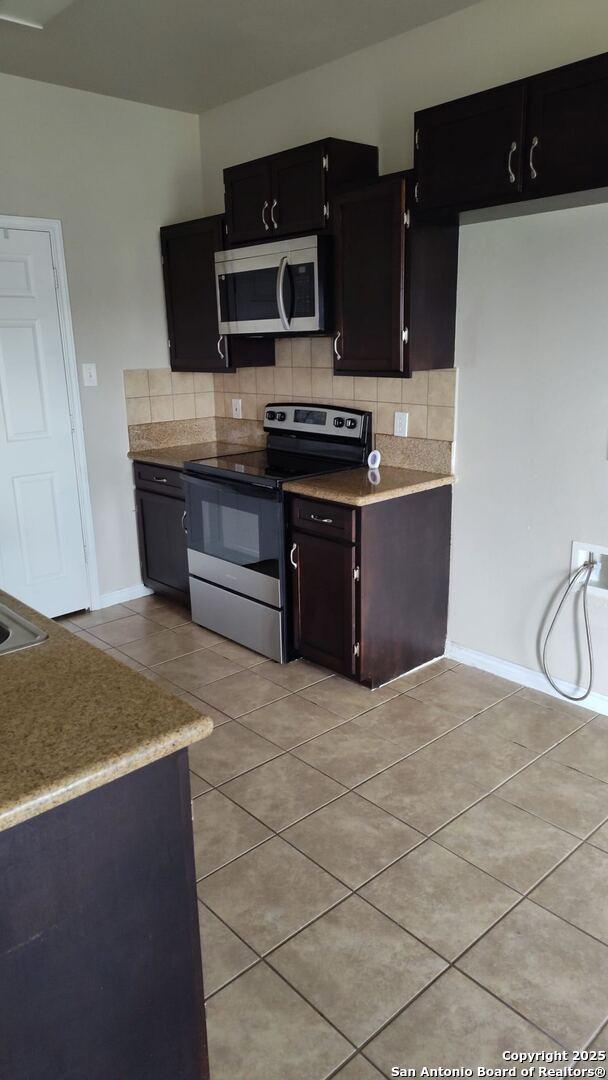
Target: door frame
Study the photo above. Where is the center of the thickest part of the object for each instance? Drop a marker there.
(52, 226)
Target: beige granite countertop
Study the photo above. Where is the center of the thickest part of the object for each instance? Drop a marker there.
(72, 719)
(352, 487)
(176, 456)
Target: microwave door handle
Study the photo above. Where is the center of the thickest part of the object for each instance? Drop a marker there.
(280, 298)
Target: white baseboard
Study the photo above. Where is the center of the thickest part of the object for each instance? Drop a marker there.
(122, 596)
(535, 680)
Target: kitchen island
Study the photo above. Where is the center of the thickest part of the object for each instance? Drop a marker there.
(100, 969)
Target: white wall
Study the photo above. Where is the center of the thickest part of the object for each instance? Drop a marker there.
(371, 95)
(532, 429)
(113, 172)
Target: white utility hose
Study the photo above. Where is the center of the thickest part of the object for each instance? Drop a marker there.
(588, 567)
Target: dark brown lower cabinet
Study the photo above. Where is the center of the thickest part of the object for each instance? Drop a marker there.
(161, 529)
(100, 964)
(370, 584)
(324, 625)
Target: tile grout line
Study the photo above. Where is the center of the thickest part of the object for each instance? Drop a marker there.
(342, 721)
(354, 892)
(351, 789)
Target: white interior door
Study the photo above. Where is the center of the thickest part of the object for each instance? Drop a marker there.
(42, 554)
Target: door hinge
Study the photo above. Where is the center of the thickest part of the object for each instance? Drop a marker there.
(326, 211)
(56, 278)
(405, 335)
(357, 573)
(406, 219)
(417, 139)
(356, 649)
(86, 552)
(326, 162)
(169, 342)
(72, 424)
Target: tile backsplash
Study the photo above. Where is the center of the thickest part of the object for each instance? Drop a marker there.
(303, 372)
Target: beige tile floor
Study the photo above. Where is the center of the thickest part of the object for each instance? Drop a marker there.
(415, 876)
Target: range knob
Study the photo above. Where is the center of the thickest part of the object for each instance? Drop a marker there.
(351, 423)
(271, 414)
(338, 421)
(280, 416)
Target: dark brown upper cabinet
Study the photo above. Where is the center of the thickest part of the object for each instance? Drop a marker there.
(567, 129)
(299, 190)
(195, 343)
(469, 152)
(395, 283)
(248, 193)
(546, 135)
(292, 192)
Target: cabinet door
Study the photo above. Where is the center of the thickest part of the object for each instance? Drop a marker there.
(370, 265)
(324, 602)
(189, 274)
(162, 543)
(469, 152)
(248, 197)
(567, 129)
(298, 190)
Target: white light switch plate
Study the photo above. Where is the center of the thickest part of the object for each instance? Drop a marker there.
(89, 374)
(237, 412)
(401, 419)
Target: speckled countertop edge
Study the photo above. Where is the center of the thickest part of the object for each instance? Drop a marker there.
(74, 719)
(352, 487)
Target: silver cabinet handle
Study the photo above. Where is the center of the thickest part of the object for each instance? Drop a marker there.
(184, 522)
(272, 210)
(336, 339)
(509, 169)
(291, 558)
(219, 348)
(264, 222)
(321, 520)
(533, 145)
(160, 479)
(417, 191)
(280, 301)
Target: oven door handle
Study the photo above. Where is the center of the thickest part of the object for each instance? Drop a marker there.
(196, 483)
(280, 299)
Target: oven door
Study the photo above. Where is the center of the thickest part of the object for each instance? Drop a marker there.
(235, 536)
(270, 289)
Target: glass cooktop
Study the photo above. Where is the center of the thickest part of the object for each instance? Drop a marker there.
(269, 467)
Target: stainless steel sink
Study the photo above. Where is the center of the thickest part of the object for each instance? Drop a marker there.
(16, 632)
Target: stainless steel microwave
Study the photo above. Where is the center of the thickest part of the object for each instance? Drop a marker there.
(280, 287)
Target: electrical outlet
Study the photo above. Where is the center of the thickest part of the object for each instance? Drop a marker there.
(89, 374)
(401, 419)
(237, 411)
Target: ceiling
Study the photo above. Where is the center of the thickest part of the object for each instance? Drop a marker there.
(194, 54)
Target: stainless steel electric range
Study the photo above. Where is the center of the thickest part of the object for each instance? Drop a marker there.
(237, 530)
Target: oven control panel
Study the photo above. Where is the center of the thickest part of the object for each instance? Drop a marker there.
(309, 418)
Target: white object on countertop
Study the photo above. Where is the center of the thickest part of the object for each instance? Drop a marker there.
(374, 459)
